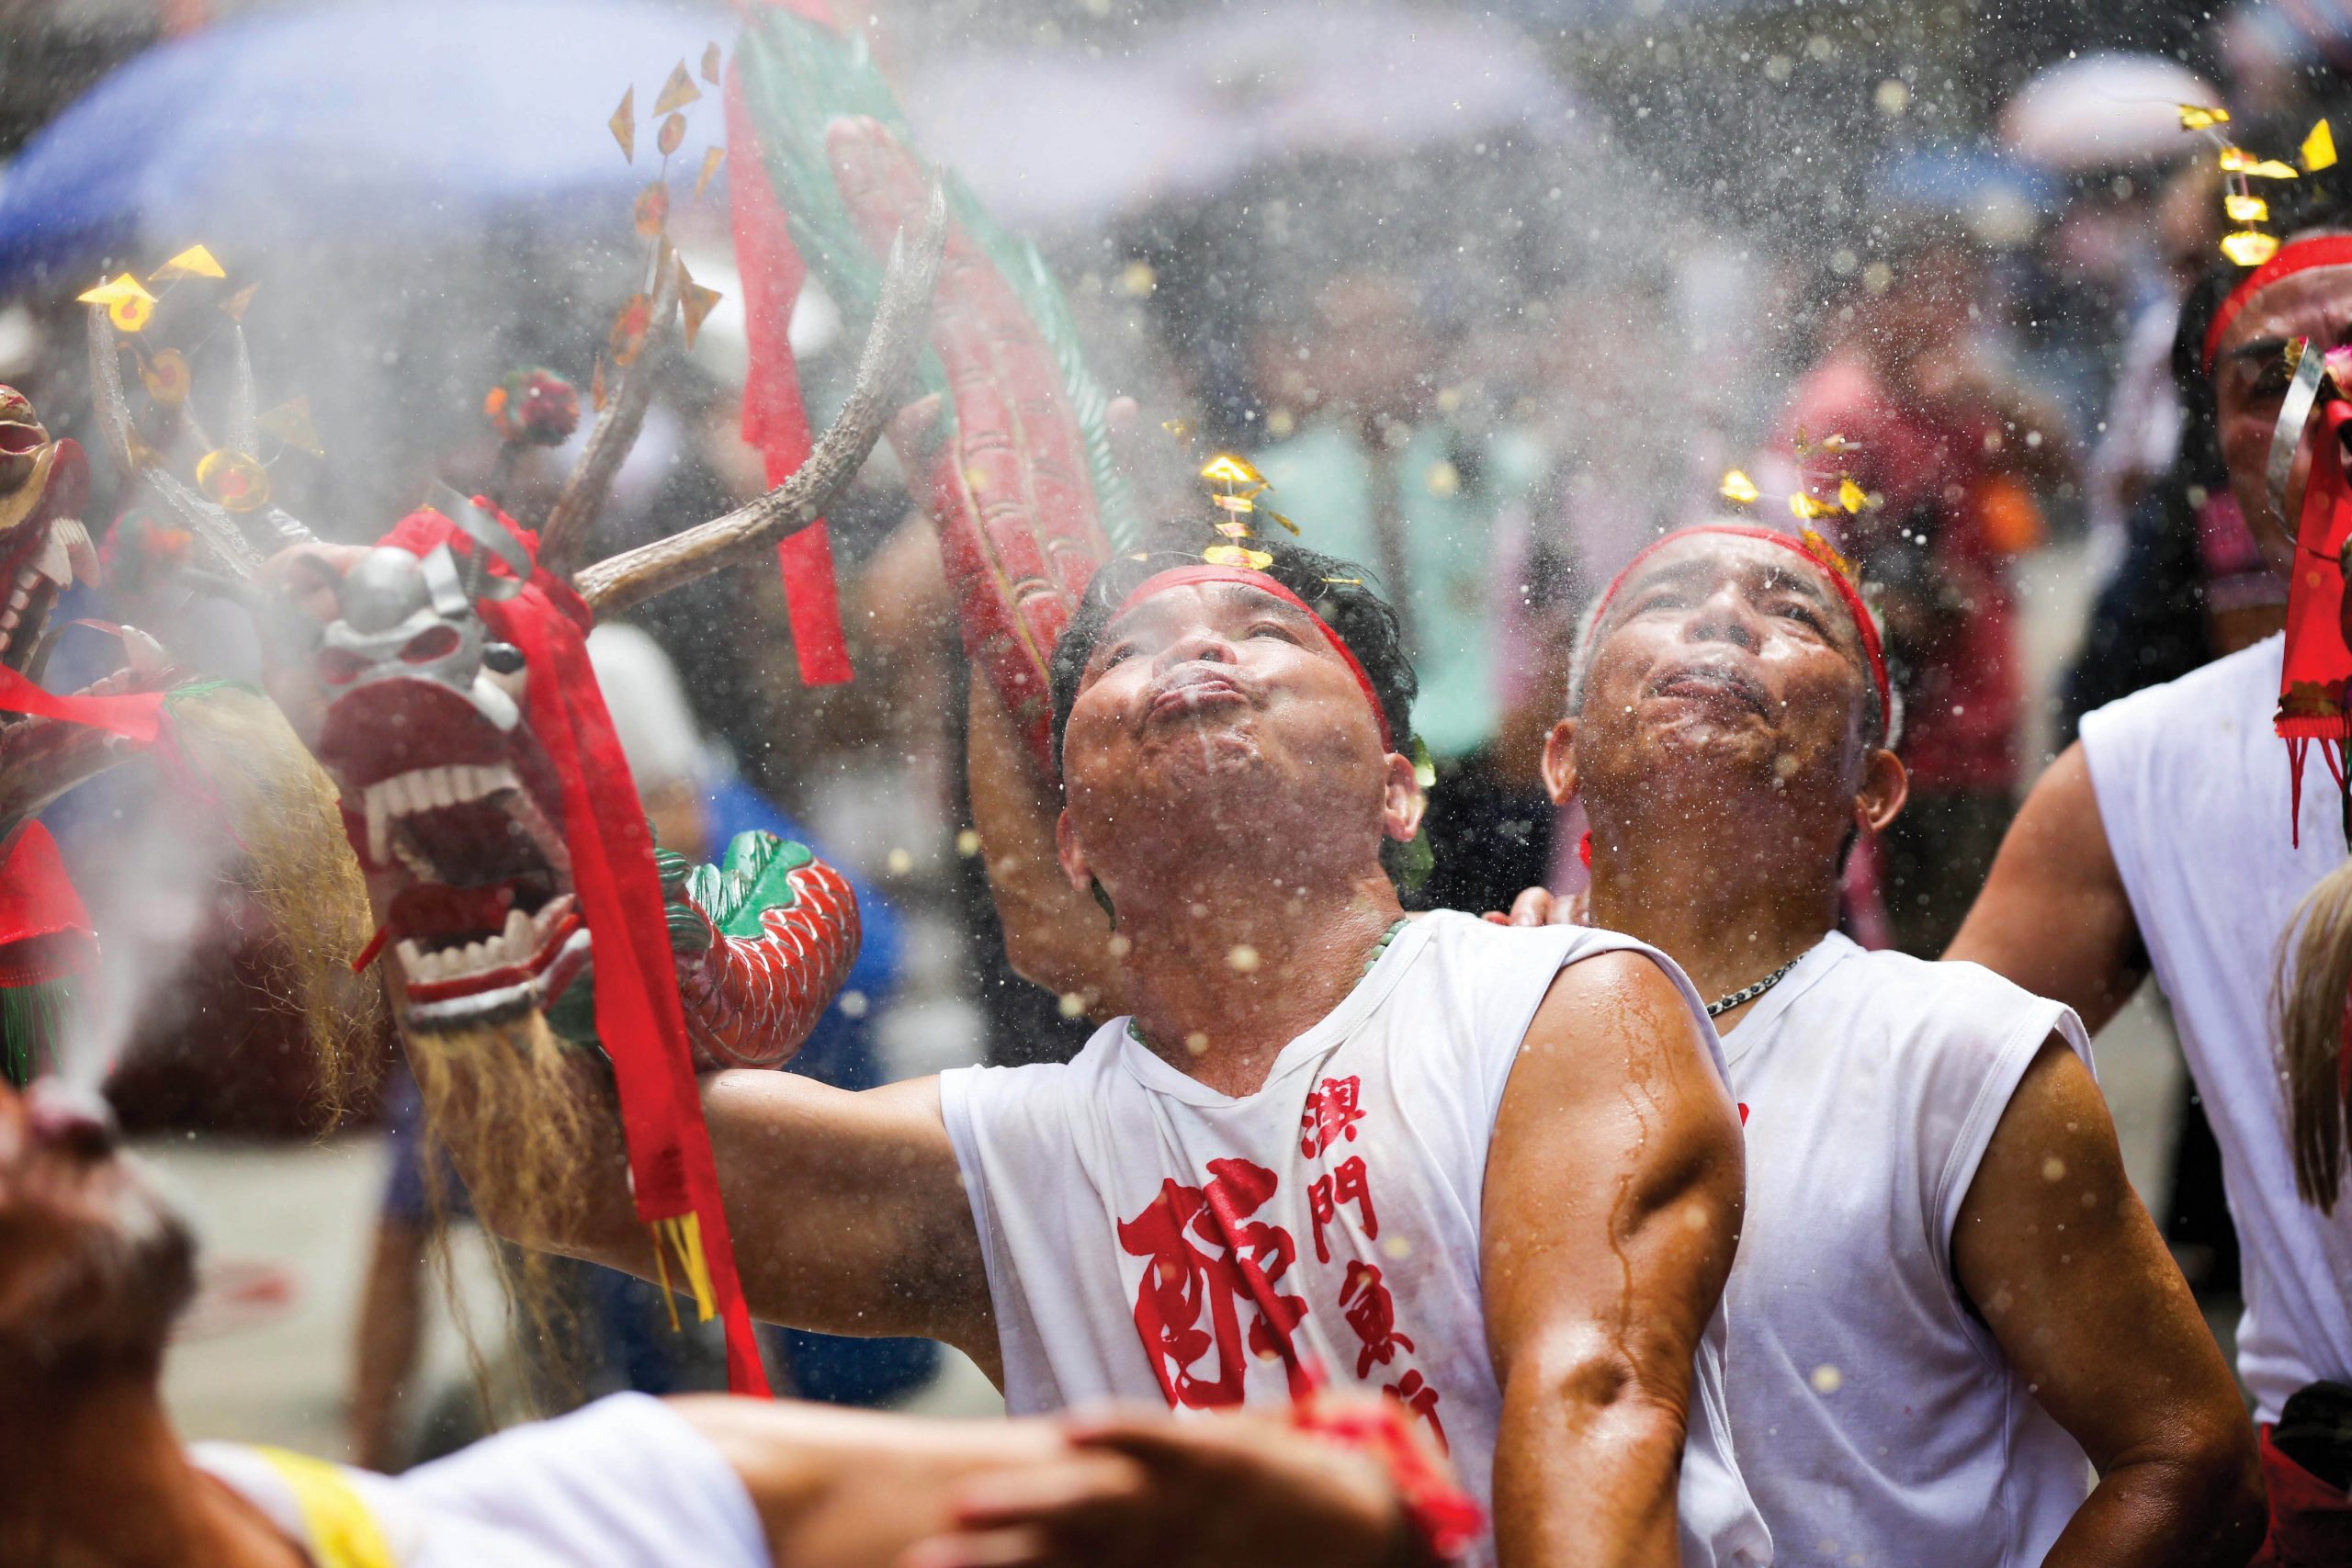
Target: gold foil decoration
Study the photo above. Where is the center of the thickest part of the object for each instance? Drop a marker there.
(677, 92)
(1821, 549)
(233, 479)
(2238, 161)
(2250, 247)
(290, 422)
(1852, 496)
(711, 158)
(710, 64)
(623, 125)
(672, 134)
(2196, 117)
(1737, 487)
(166, 378)
(193, 262)
(2319, 149)
(128, 304)
(2245, 209)
(1808, 509)
(1238, 555)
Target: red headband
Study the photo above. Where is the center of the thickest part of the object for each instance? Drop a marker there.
(1865, 627)
(1178, 577)
(2327, 250)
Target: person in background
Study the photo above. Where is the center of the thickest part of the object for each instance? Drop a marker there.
(1952, 449)
(1377, 472)
(697, 805)
(2161, 842)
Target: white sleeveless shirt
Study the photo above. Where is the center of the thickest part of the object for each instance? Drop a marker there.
(2193, 790)
(1349, 1185)
(1881, 1421)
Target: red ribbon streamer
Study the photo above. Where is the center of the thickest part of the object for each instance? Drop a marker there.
(638, 1016)
(37, 901)
(2316, 665)
(137, 716)
(775, 418)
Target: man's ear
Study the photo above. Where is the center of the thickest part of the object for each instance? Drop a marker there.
(1402, 804)
(1066, 850)
(1560, 761)
(1886, 786)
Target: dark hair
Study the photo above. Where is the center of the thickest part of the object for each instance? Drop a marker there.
(1337, 590)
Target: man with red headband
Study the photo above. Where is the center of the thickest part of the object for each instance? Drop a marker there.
(1489, 1178)
(1948, 1301)
(2184, 835)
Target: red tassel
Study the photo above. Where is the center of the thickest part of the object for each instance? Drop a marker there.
(775, 420)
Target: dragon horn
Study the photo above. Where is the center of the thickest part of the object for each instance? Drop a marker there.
(891, 348)
(565, 533)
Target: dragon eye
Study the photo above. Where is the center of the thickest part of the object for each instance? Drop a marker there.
(502, 657)
(432, 643)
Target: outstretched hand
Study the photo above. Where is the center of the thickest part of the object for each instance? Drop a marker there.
(1233, 1491)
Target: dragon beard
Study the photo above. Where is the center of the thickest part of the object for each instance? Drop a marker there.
(295, 863)
(507, 1096)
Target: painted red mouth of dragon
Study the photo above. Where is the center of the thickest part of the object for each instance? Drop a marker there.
(485, 924)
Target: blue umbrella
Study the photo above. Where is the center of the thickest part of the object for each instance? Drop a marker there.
(387, 119)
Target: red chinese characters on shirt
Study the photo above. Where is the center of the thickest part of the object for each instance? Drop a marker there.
(1206, 1255)
(1346, 1182)
(1331, 1114)
(1372, 1313)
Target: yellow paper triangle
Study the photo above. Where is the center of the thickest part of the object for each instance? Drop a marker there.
(1852, 496)
(677, 92)
(1738, 487)
(290, 422)
(2319, 149)
(710, 59)
(193, 262)
(696, 302)
(2245, 209)
(623, 125)
(234, 306)
(2197, 117)
(123, 286)
(2250, 247)
(712, 157)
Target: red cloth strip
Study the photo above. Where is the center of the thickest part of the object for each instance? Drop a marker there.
(2327, 250)
(37, 900)
(137, 716)
(775, 418)
(1181, 576)
(1864, 627)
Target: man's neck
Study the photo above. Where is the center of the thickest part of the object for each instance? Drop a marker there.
(97, 1477)
(1226, 970)
(1729, 899)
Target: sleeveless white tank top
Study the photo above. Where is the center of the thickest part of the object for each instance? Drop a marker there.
(1105, 1190)
(2193, 791)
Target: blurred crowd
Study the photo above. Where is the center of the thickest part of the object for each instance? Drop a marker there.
(1486, 354)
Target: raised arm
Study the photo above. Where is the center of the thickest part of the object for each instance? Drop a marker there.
(846, 1209)
(2065, 1266)
(2053, 916)
(1054, 935)
(1612, 1203)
